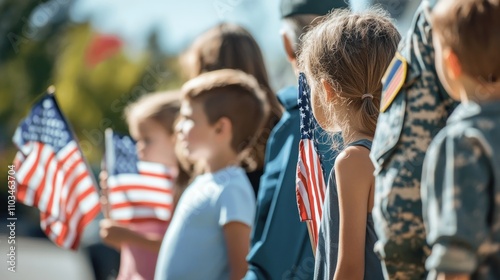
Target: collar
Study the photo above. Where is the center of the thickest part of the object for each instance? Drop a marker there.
(472, 109)
(288, 97)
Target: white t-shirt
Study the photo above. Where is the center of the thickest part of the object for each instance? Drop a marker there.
(194, 246)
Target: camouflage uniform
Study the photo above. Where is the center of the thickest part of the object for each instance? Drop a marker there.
(404, 132)
(461, 191)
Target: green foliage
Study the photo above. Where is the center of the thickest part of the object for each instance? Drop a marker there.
(92, 98)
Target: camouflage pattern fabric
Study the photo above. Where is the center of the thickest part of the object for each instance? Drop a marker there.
(461, 191)
(404, 132)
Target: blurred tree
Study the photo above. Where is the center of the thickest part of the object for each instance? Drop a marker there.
(92, 96)
(96, 95)
(27, 57)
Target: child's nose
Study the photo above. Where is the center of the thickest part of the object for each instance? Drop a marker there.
(178, 127)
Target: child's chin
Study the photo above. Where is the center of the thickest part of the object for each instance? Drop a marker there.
(192, 156)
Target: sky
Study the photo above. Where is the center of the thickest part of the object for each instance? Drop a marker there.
(178, 23)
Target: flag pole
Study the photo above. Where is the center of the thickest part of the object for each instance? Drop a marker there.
(109, 164)
(51, 90)
(311, 237)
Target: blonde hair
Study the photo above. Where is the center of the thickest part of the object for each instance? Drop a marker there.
(471, 28)
(230, 46)
(234, 95)
(350, 51)
(163, 108)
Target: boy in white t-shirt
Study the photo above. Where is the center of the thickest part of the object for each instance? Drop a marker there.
(209, 235)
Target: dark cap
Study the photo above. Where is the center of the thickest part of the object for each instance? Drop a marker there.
(315, 7)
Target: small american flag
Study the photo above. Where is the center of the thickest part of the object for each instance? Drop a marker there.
(394, 78)
(138, 191)
(52, 174)
(310, 188)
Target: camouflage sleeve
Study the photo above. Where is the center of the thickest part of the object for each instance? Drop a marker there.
(455, 200)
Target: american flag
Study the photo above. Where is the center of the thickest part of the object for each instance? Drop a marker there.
(310, 183)
(394, 78)
(138, 190)
(52, 174)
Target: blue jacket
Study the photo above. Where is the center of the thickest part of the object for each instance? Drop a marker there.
(280, 246)
(280, 243)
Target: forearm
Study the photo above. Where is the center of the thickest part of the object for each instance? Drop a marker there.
(349, 271)
(237, 237)
(351, 254)
(237, 273)
(150, 242)
(116, 246)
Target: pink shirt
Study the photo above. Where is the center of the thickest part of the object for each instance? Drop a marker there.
(137, 263)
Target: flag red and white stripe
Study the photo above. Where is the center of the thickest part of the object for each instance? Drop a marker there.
(138, 191)
(60, 186)
(145, 196)
(310, 186)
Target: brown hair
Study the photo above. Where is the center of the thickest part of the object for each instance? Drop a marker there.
(350, 51)
(230, 46)
(234, 95)
(163, 108)
(471, 28)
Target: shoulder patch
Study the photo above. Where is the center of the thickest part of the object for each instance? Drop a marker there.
(393, 80)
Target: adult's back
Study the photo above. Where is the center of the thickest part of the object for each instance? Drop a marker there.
(414, 108)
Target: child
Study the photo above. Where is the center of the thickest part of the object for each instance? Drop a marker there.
(279, 240)
(461, 173)
(344, 58)
(230, 46)
(209, 235)
(151, 123)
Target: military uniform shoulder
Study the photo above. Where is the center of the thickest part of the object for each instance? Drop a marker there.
(465, 134)
(393, 80)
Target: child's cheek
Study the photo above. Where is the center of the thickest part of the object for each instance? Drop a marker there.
(184, 128)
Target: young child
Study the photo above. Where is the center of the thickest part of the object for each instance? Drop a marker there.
(279, 240)
(230, 46)
(209, 235)
(461, 173)
(344, 59)
(151, 123)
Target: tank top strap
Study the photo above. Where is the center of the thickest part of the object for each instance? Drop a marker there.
(362, 142)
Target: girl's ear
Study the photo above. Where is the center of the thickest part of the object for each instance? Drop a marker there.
(452, 63)
(328, 89)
